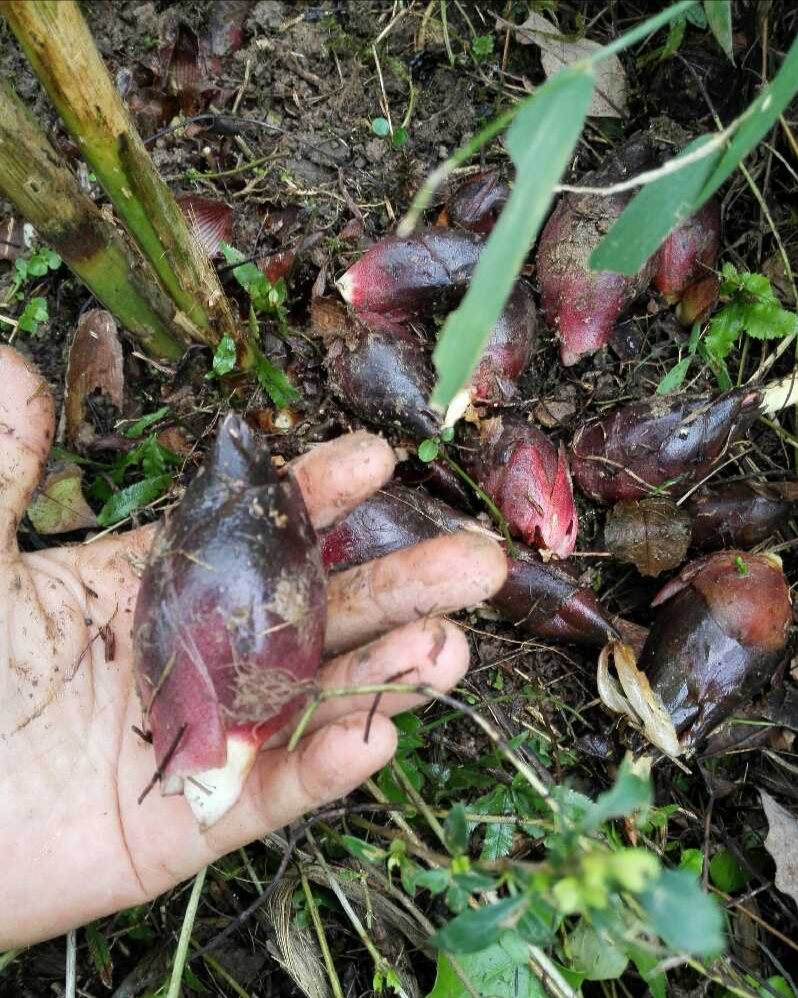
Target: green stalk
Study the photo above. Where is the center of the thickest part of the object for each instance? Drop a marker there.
(49, 197)
(59, 46)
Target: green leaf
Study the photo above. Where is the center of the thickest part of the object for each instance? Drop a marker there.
(224, 358)
(631, 792)
(400, 137)
(498, 840)
(482, 47)
(726, 873)
(447, 434)
(100, 954)
(455, 829)
(363, 851)
(146, 422)
(494, 971)
(692, 860)
(686, 919)
(435, 881)
(719, 19)
(428, 450)
(275, 383)
(696, 16)
(134, 497)
(540, 141)
(477, 929)
(645, 963)
(674, 40)
(34, 313)
(759, 118)
(594, 955)
(723, 331)
(674, 378)
(380, 127)
(653, 213)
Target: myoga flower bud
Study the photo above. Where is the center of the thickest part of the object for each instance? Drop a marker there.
(229, 623)
(657, 445)
(740, 514)
(377, 368)
(717, 639)
(689, 253)
(425, 272)
(476, 204)
(509, 349)
(528, 479)
(580, 304)
(542, 600)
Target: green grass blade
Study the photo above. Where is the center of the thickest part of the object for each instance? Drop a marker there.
(758, 120)
(719, 19)
(654, 213)
(540, 141)
(176, 980)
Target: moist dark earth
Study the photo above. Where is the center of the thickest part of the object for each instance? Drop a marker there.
(311, 79)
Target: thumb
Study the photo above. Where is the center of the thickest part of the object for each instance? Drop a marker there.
(26, 432)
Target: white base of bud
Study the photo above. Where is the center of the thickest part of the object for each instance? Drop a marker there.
(211, 794)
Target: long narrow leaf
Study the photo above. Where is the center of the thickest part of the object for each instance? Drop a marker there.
(719, 19)
(660, 205)
(759, 118)
(653, 213)
(540, 141)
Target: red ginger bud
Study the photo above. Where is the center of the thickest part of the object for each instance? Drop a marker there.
(424, 272)
(528, 479)
(719, 636)
(229, 623)
(582, 305)
(544, 600)
(658, 444)
(689, 253)
(509, 349)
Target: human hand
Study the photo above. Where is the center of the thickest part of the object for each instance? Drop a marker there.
(75, 843)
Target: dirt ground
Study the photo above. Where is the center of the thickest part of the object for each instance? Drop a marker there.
(312, 79)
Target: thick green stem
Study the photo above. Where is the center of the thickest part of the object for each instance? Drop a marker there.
(63, 55)
(49, 197)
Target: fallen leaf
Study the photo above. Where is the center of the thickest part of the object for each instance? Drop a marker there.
(60, 506)
(95, 364)
(210, 220)
(556, 53)
(782, 844)
(637, 701)
(652, 534)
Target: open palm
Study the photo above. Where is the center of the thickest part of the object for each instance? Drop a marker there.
(75, 841)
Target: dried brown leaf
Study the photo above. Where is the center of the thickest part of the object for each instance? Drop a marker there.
(782, 844)
(95, 364)
(652, 534)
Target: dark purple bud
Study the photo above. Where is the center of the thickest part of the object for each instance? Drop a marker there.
(740, 514)
(427, 271)
(377, 368)
(476, 204)
(718, 637)
(229, 623)
(658, 445)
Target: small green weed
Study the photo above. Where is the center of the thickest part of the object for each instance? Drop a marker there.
(750, 308)
(26, 269)
(132, 480)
